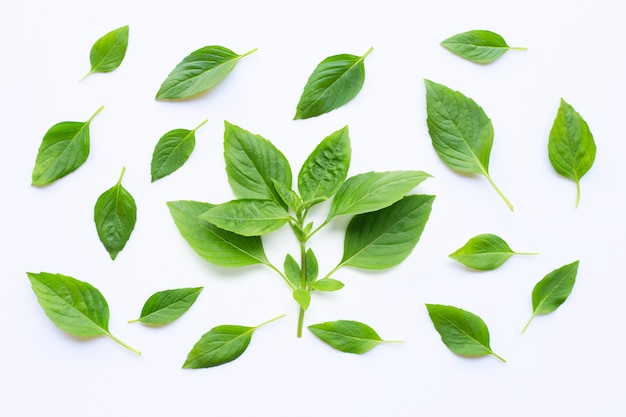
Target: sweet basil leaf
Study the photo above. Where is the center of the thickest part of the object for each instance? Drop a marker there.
(220, 345)
(292, 271)
(215, 245)
(553, 290)
(479, 46)
(312, 267)
(571, 147)
(64, 148)
(347, 335)
(464, 333)
(372, 191)
(334, 82)
(385, 238)
(247, 217)
(302, 297)
(164, 307)
(461, 132)
(108, 52)
(198, 72)
(115, 214)
(485, 252)
(172, 151)
(327, 284)
(74, 306)
(287, 195)
(253, 164)
(326, 168)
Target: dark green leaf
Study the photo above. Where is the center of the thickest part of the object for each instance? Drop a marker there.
(172, 151)
(385, 238)
(461, 132)
(73, 306)
(326, 168)
(303, 297)
(166, 306)
(485, 252)
(571, 147)
(115, 214)
(108, 52)
(334, 82)
(327, 284)
(462, 332)
(216, 245)
(553, 290)
(198, 72)
(480, 46)
(64, 148)
(347, 336)
(253, 164)
(247, 217)
(373, 191)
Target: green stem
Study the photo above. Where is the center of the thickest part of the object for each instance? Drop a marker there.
(577, 193)
(200, 125)
(124, 344)
(527, 324)
(518, 48)
(526, 253)
(248, 53)
(493, 184)
(86, 75)
(269, 321)
(498, 356)
(121, 176)
(279, 272)
(302, 285)
(368, 52)
(95, 114)
(393, 341)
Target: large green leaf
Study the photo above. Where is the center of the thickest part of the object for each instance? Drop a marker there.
(386, 237)
(164, 307)
(108, 52)
(485, 252)
(480, 46)
(247, 217)
(347, 335)
(216, 245)
(172, 151)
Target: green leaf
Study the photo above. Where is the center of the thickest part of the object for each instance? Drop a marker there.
(166, 306)
(348, 336)
(571, 147)
(215, 245)
(108, 52)
(312, 267)
(220, 345)
(292, 271)
(287, 195)
(64, 148)
(479, 46)
(373, 191)
(247, 217)
(327, 284)
(485, 252)
(334, 82)
(462, 332)
(461, 132)
(115, 214)
(385, 238)
(74, 306)
(172, 151)
(553, 290)
(303, 297)
(198, 72)
(326, 168)
(253, 164)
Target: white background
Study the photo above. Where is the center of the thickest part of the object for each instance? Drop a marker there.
(568, 363)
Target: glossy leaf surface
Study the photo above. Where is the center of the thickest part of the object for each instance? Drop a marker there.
(218, 246)
(198, 72)
(334, 82)
(385, 238)
(108, 52)
(571, 147)
(164, 307)
(484, 252)
(247, 217)
(464, 333)
(172, 151)
(347, 335)
(63, 149)
(479, 46)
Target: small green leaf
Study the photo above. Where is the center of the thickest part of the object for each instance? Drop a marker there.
(287, 195)
(462, 332)
(571, 147)
(166, 306)
(373, 191)
(64, 148)
(385, 238)
(108, 52)
(485, 252)
(115, 214)
(461, 132)
(327, 284)
(326, 168)
(218, 246)
(220, 345)
(198, 72)
(73, 306)
(479, 46)
(292, 271)
(553, 290)
(334, 82)
(253, 164)
(247, 217)
(312, 267)
(172, 151)
(348, 336)
(303, 297)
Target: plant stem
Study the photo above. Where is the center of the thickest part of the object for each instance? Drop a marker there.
(248, 53)
(200, 125)
(498, 356)
(527, 324)
(302, 285)
(124, 344)
(577, 192)
(95, 114)
(493, 184)
(269, 321)
(518, 48)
